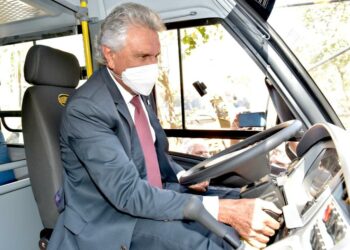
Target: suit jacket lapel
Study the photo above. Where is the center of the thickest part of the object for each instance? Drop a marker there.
(158, 130)
(150, 111)
(135, 152)
(117, 98)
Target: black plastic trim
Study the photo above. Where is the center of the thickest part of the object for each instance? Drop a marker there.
(4, 114)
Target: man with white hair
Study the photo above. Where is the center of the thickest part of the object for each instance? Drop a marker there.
(115, 159)
(198, 147)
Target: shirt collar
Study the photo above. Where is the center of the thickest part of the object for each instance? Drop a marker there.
(125, 94)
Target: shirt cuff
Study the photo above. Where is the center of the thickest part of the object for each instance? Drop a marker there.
(179, 174)
(211, 204)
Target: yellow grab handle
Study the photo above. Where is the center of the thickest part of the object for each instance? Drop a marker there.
(86, 40)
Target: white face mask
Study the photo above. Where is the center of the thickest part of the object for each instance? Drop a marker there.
(141, 79)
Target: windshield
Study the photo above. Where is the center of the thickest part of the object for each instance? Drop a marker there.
(318, 34)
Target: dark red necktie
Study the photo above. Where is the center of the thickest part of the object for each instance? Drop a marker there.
(144, 132)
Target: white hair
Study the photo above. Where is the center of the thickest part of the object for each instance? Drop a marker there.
(115, 27)
(190, 145)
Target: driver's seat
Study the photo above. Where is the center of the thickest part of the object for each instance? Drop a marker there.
(54, 75)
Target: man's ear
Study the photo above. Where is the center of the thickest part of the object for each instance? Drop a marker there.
(108, 55)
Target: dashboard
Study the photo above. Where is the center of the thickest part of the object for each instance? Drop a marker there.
(317, 210)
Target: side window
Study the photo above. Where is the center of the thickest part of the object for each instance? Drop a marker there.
(209, 82)
(13, 84)
(12, 88)
(319, 36)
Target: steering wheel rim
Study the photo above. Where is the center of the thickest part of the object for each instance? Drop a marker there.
(227, 160)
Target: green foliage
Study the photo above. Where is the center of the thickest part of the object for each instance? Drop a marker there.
(190, 40)
(329, 23)
(193, 37)
(326, 22)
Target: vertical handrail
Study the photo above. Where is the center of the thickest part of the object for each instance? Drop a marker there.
(86, 37)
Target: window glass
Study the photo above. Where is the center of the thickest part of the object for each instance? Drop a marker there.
(208, 81)
(12, 86)
(318, 34)
(12, 83)
(168, 94)
(202, 147)
(234, 83)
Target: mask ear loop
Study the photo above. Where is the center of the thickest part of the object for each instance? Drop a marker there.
(115, 75)
(119, 80)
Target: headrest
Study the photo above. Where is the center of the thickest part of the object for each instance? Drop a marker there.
(53, 67)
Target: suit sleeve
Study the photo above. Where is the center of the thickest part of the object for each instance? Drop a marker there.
(175, 166)
(92, 139)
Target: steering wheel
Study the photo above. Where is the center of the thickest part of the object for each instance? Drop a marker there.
(233, 159)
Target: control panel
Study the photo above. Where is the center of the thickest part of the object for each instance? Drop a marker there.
(329, 229)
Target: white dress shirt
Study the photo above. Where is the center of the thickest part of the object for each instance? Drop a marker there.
(211, 203)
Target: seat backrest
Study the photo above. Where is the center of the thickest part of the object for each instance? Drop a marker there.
(54, 75)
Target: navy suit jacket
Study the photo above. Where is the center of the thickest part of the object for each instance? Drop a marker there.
(105, 182)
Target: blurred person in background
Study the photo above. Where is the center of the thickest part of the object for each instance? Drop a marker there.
(198, 147)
